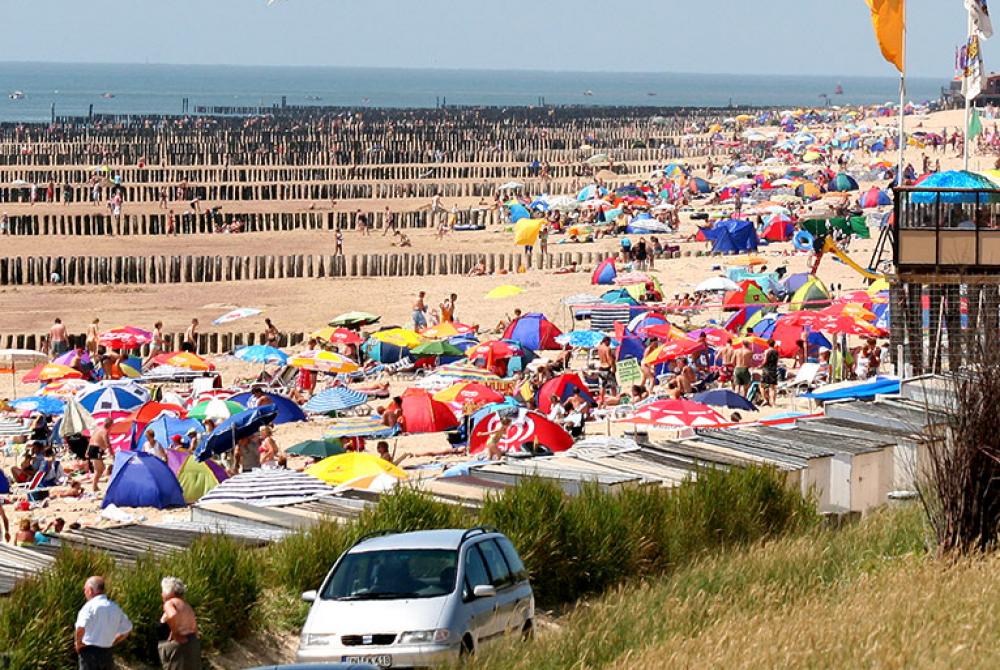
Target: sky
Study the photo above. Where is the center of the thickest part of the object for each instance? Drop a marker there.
(828, 37)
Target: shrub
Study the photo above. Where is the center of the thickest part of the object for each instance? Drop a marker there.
(38, 619)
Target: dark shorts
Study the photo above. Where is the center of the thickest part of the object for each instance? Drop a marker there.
(769, 377)
(185, 656)
(93, 454)
(96, 658)
(742, 376)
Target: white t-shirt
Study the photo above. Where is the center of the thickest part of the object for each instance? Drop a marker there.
(102, 621)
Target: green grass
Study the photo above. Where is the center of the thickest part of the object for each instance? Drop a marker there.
(571, 545)
(638, 624)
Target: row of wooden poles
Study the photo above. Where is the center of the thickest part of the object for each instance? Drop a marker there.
(208, 343)
(119, 270)
(187, 222)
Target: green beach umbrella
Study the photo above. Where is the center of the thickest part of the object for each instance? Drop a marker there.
(317, 448)
(216, 408)
(437, 348)
(354, 319)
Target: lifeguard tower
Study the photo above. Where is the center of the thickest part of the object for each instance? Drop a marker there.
(945, 290)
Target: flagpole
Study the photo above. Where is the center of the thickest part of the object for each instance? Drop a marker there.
(968, 101)
(902, 107)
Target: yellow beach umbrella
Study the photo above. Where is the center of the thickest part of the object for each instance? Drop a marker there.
(323, 361)
(352, 466)
(878, 286)
(401, 337)
(447, 329)
(505, 291)
(526, 232)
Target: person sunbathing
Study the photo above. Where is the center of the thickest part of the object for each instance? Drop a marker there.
(72, 490)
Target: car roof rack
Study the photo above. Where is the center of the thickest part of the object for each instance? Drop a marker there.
(372, 535)
(478, 530)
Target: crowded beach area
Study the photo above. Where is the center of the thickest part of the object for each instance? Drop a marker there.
(449, 300)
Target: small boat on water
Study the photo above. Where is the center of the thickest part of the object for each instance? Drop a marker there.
(651, 94)
(107, 96)
(314, 98)
(588, 93)
(839, 90)
(17, 95)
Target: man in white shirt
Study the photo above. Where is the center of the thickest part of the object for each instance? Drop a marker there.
(100, 625)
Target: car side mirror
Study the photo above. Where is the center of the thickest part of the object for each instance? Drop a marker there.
(484, 591)
(309, 596)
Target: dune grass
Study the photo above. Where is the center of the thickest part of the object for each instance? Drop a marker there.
(734, 609)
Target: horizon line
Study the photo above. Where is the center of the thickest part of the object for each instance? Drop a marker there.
(472, 69)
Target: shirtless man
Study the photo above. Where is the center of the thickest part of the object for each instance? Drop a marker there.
(191, 337)
(99, 445)
(606, 358)
(58, 341)
(420, 311)
(742, 360)
(93, 336)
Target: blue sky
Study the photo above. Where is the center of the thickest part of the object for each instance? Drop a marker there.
(728, 36)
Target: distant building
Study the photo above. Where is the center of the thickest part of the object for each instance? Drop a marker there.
(952, 96)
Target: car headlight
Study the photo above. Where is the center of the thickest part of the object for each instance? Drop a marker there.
(311, 640)
(425, 636)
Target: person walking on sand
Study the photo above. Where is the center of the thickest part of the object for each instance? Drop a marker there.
(92, 337)
(420, 311)
(191, 337)
(361, 223)
(389, 224)
(99, 445)
(338, 249)
(100, 625)
(182, 648)
(448, 308)
(58, 341)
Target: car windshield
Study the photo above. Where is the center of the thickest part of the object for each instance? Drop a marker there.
(393, 574)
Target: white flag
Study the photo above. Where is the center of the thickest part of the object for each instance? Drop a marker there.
(971, 62)
(980, 14)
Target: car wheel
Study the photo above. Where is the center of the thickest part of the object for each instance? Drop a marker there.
(528, 631)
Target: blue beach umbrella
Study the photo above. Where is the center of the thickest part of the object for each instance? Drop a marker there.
(369, 426)
(581, 339)
(337, 399)
(724, 398)
(261, 353)
(235, 428)
(288, 411)
(42, 404)
(954, 179)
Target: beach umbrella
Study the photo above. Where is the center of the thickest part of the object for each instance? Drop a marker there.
(125, 337)
(324, 361)
(954, 179)
(672, 350)
(183, 359)
(518, 212)
(147, 413)
(235, 428)
(367, 426)
(465, 372)
(526, 428)
(195, 478)
(316, 448)
(48, 372)
(676, 414)
(463, 393)
(492, 351)
(384, 352)
(716, 337)
(76, 420)
(288, 409)
(375, 483)
(354, 319)
(38, 403)
(505, 291)
(581, 339)
(216, 409)
(352, 466)
(563, 203)
(164, 428)
(511, 186)
(423, 414)
(131, 367)
(447, 329)
(598, 160)
(526, 231)
(267, 488)
(64, 388)
(724, 398)
(337, 335)
(261, 353)
(663, 331)
(401, 337)
(336, 399)
(112, 396)
(16, 360)
(235, 315)
(534, 332)
(717, 284)
(437, 348)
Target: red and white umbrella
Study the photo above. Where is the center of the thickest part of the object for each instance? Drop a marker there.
(125, 337)
(525, 428)
(676, 414)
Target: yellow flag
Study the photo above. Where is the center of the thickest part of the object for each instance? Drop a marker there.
(887, 19)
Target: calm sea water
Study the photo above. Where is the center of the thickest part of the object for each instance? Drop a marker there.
(160, 88)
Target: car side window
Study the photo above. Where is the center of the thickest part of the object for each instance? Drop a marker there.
(475, 572)
(499, 570)
(513, 560)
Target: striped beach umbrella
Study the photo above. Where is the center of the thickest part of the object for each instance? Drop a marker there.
(39, 403)
(216, 409)
(676, 414)
(323, 361)
(267, 488)
(368, 426)
(112, 396)
(337, 399)
(261, 353)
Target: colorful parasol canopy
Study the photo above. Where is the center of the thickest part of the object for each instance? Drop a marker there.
(676, 414)
(504, 291)
(324, 361)
(337, 335)
(447, 329)
(526, 428)
(351, 466)
(183, 359)
(125, 337)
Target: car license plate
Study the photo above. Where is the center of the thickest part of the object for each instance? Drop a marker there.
(381, 660)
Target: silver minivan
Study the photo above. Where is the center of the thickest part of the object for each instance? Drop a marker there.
(419, 599)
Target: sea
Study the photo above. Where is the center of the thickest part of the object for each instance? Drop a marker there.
(73, 89)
